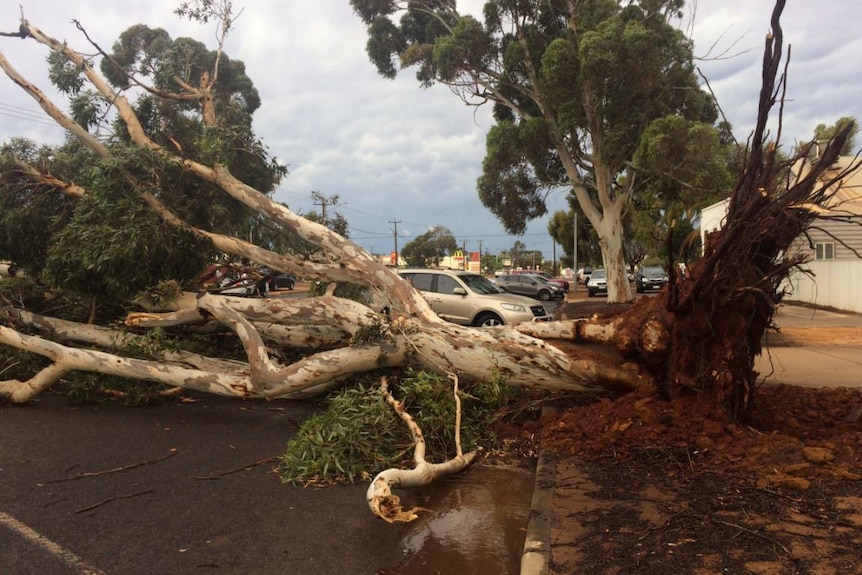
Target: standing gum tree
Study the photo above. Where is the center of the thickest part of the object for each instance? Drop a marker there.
(143, 201)
(574, 85)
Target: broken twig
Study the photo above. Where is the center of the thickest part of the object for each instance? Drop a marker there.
(245, 468)
(109, 499)
(107, 471)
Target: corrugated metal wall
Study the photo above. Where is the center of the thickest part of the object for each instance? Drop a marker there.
(836, 283)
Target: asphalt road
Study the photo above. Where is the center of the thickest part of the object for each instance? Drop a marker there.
(159, 490)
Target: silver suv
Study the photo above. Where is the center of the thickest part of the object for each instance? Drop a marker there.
(469, 299)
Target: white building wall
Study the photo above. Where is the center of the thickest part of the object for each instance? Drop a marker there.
(712, 219)
(835, 283)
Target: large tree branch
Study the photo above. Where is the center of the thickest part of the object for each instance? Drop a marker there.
(381, 500)
(68, 358)
(365, 269)
(23, 391)
(61, 331)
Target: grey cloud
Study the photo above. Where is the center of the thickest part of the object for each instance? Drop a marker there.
(393, 150)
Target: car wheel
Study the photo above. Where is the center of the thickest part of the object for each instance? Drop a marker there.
(591, 293)
(639, 288)
(544, 295)
(290, 286)
(488, 320)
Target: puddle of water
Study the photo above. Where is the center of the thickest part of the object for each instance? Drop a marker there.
(477, 526)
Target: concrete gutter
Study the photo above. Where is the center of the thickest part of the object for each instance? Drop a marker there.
(536, 559)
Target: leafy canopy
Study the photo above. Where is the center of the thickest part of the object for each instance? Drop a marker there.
(574, 85)
(430, 248)
(823, 133)
(108, 243)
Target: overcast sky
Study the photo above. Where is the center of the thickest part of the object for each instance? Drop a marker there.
(393, 151)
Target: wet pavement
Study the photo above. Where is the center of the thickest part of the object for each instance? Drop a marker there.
(187, 488)
(162, 490)
(477, 526)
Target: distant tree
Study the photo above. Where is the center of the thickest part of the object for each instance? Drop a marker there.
(490, 262)
(430, 248)
(574, 86)
(683, 166)
(561, 228)
(517, 254)
(824, 133)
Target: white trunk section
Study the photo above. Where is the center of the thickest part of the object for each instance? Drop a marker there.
(348, 338)
(610, 232)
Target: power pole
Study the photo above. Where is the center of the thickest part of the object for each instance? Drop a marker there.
(395, 233)
(480, 257)
(575, 252)
(464, 252)
(554, 265)
(323, 201)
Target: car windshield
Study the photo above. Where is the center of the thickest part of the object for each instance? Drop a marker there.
(598, 274)
(479, 284)
(653, 272)
(539, 278)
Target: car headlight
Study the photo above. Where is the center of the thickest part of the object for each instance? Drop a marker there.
(513, 307)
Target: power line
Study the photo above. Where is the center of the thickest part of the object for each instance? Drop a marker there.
(23, 114)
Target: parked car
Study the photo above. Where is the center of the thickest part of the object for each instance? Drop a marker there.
(530, 285)
(558, 281)
(650, 278)
(583, 274)
(597, 283)
(466, 298)
(282, 281)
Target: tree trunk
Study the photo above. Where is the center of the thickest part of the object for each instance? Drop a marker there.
(701, 334)
(610, 232)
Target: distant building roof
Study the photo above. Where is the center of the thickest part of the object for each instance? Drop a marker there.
(847, 190)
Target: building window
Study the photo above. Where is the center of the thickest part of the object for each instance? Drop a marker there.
(824, 251)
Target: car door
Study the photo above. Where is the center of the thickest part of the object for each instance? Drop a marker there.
(451, 306)
(515, 284)
(527, 286)
(442, 303)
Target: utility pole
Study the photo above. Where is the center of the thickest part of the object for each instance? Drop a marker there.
(480, 257)
(575, 252)
(395, 234)
(554, 265)
(464, 252)
(323, 201)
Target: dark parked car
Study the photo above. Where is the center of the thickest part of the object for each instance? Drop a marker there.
(650, 278)
(557, 281)
(282, 281)
(530, 285)
(597, 283)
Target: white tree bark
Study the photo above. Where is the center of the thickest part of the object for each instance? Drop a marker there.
(436, 345)
(381, 500)
(335, 330)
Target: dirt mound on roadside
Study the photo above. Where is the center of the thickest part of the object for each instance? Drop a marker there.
(649, 486)
(811, 432)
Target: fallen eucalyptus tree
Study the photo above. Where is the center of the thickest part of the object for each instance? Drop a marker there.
(700, 335)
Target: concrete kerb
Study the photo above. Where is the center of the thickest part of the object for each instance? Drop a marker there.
(536, 559)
